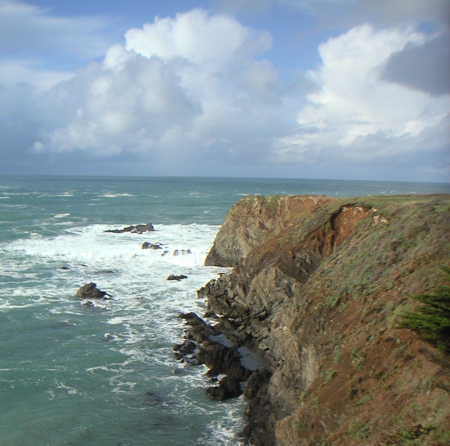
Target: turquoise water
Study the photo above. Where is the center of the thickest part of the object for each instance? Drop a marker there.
(106, 375)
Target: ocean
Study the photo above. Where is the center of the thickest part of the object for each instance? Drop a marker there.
(106, 375)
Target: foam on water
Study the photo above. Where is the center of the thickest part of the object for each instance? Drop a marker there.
(121, 346)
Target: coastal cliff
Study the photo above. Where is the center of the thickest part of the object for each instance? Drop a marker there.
(318, 287)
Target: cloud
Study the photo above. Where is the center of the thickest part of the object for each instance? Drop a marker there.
(425, 67)
(192, 87)
(338, 13)
(397, 12)
(195, 94)
(358, 117)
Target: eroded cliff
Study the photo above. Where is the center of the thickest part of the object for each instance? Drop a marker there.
(317, 286)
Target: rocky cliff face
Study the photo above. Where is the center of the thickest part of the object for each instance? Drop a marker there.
(317, 286)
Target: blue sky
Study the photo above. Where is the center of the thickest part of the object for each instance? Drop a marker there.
(345, 89)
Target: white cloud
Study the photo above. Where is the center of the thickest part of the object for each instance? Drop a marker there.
(215, 42)
(355, 115)
(192, 85)
(193, 94)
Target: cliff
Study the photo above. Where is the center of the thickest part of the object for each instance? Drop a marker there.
(317, 286)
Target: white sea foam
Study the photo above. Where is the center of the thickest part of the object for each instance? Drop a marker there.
(61, 215)
(116, 320)
(70, 390)
(114, 195)
(138, 327)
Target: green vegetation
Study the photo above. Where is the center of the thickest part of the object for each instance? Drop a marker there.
(432, 319)
(330, 374)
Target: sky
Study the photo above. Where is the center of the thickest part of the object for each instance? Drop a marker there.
(326, 89)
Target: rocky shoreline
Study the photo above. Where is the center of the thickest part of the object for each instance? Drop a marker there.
(316, 289)
(231, 374)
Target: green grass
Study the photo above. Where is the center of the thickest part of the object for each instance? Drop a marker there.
(432, 318)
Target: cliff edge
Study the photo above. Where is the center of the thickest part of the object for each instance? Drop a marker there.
(318, 286)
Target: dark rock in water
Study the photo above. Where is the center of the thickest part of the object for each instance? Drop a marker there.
(138, 229)
(186, 348)
(90, 291)
(65, 268)
(222, 360)
(180, 277)
(89, 304)
(229, 387)
(147, 245)
(192, 319)
(181, 252)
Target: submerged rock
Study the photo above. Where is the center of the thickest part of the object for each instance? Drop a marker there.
(90, 291)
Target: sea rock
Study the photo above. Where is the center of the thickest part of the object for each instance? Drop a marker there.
(154, 246)
(202, 346)
(181, 252)
(180, 277)
(138, 229)
(229, 387)
(90, 291)
(186, 348)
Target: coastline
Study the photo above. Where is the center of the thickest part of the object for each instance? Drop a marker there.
(317, 287)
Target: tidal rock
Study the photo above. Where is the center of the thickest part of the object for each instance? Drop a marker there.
(138, 229)
(229, 387)
(90, 291)
(181, 252)
(222, 360)
(154, 246)
(180, 277)
(186, 348)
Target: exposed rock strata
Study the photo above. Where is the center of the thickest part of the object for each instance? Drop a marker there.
(317, 286)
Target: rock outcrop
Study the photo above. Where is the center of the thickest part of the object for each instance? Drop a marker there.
(90, 291)
(154, 246)
(318, 285)
(138, 229)
(205, 344)
(177, 277)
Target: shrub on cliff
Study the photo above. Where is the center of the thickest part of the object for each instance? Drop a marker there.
(432, 319)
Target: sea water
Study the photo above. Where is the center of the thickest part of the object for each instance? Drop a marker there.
(106, 375)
